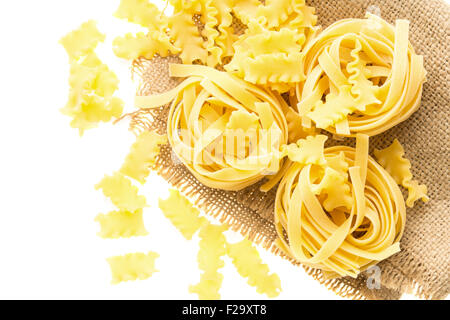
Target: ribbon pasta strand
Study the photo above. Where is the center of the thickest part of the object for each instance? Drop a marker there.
(318, 225)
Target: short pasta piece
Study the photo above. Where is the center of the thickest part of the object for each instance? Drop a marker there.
(121, 224)
(212, 248)
(248, 263)
(362, 76)
(122, 193)
(132, 266)
(342, 216)
(143, 155)
(83, 40)
(92, 83)
(131, 46)
(182, 214)
(392, 159)
(142, 12)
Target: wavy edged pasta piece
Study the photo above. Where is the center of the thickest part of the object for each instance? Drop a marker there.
(248, 263)
(142, 155)
(121, 224)
(340, 238)
(92, 83)
(185, 33)
(142, 12)
(131, 46)
(83, 40)
(121, 192)
(363, 76)
(206, 125)
(212, 248)
(182, 214)
(393, 160)
(307, 151)
(132, 266)
(268, 57)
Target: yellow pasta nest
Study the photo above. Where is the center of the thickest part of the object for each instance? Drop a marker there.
(228, 132)
(362, 76)
(339, 211)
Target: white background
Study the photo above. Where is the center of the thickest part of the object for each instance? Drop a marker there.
(48, 242)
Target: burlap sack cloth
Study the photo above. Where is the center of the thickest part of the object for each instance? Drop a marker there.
(422, 267)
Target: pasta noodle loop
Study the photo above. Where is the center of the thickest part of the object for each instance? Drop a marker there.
(362, 76)
(342, 216)
(227, 132)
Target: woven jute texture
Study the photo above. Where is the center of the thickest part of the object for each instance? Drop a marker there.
(422, 267)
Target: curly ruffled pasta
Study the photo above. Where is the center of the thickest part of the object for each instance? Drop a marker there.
(83, 40)
(92, 83)
(226, 131)
(183, 215)
(212, 248)
(132, 266)
(269, 53)
(185, 33)
(131, 46)
(122, 192)
(142, 155)
(248, 263)
(267, 57)
(142, 12)
(362, 77)
(121, 224)
(399, 168)
(342, 216)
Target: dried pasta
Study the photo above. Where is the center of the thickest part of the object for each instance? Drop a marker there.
(121, 192)
(142, 155)
(248, 263)
(226, 131)
(132, 266)
(362, 76)
(343, 216)
(392, 159)
(212, 248)
(183, 215)
(92, 83)
(83, 40)
(269, 52)
(147, 45)
(121, 224)
(131, 46)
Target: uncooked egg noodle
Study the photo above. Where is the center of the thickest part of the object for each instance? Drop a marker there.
(362, 76)
(228, 132)
(340, 211)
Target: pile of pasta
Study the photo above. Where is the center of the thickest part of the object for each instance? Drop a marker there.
(259, 85)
